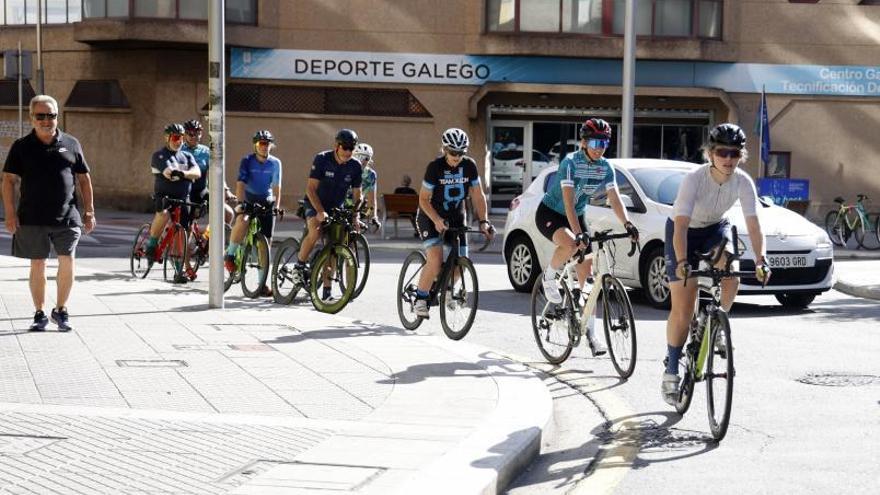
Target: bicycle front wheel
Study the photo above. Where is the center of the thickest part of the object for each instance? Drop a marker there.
(719, 375)
(255, 267)
(407, 284)
(337, 267)
(361, 249)
(459, 300)
(176, 253)
(620, 326)
(834, 227)
(140, 264)
(551, 326)
(284, 287)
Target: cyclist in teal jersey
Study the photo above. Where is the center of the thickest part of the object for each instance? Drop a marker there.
(560, 216)
(363, 152)
(202, 154)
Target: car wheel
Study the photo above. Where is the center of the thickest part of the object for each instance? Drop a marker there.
(655, 284)
(522, 264)
(799, 301)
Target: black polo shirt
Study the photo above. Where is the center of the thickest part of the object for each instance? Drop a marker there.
(47, 182)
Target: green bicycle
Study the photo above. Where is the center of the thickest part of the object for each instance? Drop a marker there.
(847, 220)
(252, 256)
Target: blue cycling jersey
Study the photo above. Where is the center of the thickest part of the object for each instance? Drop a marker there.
(260, 178)
(582, 174)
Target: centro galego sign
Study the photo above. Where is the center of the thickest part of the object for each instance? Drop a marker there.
(319, 65)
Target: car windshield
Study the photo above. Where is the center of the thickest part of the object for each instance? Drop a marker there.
(659, 184)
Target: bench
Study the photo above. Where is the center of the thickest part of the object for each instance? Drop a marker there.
(396, 206)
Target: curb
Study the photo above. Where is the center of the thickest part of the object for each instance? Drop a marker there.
(508, 439)
(863, 291)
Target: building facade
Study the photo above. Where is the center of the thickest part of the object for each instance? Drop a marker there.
(517, 75)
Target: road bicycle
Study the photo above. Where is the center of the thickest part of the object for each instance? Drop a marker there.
(708, 352)
(558, 327)
(333, 265)
(455, 290)
(252, 255)
(198, 240)
(847, 220)
(171, 250)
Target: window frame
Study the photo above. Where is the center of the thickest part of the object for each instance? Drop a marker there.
(607, 22)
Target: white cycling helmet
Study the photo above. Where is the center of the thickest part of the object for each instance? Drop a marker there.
(363, 152)
(455, 139)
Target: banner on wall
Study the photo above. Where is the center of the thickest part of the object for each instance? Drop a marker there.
(426, 68)
(782, 190)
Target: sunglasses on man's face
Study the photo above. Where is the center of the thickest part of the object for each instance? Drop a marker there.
(723, 153)
(45, 116)
(175, 137)
(264, 143)
(597, 144)
(455, 153)
(194, 133)
(346, 147)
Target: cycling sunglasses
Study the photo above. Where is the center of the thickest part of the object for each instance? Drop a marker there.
(726, 153)
(175, 137)
(598, 143)
(347, 147)
(45, 116)
(455, 153)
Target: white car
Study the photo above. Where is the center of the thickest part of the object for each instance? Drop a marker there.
(570, 145)
(508, 165)
(799, 252)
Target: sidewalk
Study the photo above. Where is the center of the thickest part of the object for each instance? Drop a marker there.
(155, 393)
(856, 274)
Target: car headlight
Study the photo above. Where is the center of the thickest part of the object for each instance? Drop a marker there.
(822, 241)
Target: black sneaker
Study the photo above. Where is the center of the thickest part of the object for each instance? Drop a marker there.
(40, 322)
(60, 317)
(180, 279)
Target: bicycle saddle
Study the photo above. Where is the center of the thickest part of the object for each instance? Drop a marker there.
(838, 200)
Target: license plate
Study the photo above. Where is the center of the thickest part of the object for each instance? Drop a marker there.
(788, 261)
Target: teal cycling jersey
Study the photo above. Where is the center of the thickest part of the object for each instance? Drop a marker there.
(368, 180)
(201, 153)
(582, 174)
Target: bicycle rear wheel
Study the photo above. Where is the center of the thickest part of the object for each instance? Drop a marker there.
(834, 227)
(719, 375)
(176, 253)
(284, 288)
(551, 325)
(869, 237)
(407, 284)
(140, 264)
(620, 327)
(459, 300)
(339, 265)
(255, 266)
(361, 249)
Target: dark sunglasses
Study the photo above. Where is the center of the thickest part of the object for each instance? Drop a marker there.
(264, 143)
(193, 133)
(45, 116)
(728, 153)
(455, 153)
(346, 147)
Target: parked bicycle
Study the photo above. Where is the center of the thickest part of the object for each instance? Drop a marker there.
(198, 239)
(847, 220)
(333, 265)
(558, 327)
(708, 352)
(455, 290)
(252, 256)
(172, 249)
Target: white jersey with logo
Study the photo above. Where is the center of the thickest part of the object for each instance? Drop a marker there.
(706, 202)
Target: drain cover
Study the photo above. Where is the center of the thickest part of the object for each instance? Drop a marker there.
(150, 363)
(839, 379)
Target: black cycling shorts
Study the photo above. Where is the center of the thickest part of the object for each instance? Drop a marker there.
(549, 221)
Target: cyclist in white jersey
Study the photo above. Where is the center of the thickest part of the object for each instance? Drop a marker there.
(699, 223)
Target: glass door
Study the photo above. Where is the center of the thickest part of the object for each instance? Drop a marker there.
(508, 149)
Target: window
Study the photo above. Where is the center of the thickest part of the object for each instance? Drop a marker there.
(20, 12)
(869, 2)
(193, 9)
(779, 166)
(237, 11)
(661, 18)
(241, 97)
(101, 94)
(155, 8)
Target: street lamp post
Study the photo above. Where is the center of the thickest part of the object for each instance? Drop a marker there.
(629, 72)
(216, 128)
(40, 88)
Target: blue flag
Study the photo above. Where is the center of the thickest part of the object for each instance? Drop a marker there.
(762, 129)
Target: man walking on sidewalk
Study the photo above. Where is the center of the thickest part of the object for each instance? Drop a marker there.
(48, 164)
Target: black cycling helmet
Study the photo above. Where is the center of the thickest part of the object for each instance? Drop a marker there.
(595, 129)
(347, 137)
(263, 135)
(727, 134)
(192, 125)
(174, 129)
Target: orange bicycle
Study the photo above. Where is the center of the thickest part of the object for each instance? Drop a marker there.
(172, 249)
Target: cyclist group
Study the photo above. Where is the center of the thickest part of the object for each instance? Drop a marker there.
(698, 224)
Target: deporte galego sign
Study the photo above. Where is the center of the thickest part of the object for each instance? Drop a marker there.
(427, 68)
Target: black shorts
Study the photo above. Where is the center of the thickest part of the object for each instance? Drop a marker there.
(549, 221)
(267, 220)
(429, 235)
(35, 241)
(160, 205)
(699, 240)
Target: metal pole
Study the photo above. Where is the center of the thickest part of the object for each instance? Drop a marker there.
(40, 87)
(216, 129)
(20, 94)
(629, 73)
